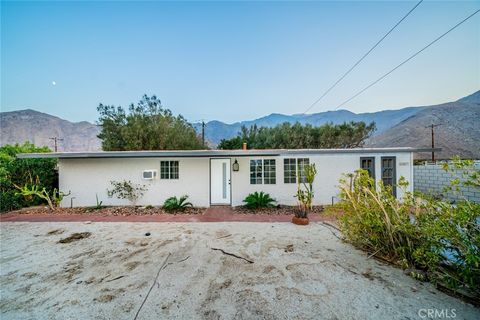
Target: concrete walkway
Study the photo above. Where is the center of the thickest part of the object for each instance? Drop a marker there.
(212, 214)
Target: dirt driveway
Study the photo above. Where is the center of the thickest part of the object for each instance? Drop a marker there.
(297, 273)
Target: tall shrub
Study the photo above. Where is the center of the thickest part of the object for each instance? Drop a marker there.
(437, 237)
(22, 172)
(374, 220)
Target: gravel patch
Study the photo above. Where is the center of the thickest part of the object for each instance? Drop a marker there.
(107, 211)
(280, 210)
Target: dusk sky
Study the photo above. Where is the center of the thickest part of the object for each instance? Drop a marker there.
(232, 61)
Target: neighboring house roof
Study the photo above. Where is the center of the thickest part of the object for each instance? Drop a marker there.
(214, 153)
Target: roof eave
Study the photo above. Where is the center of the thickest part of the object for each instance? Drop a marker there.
(213, 153)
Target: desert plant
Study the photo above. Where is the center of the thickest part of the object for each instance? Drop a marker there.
(305, 192)
(177, 204)
(53, 198)
(127, 190)
(438, 238)
(98, 205)
(374, 220)
(257, 200)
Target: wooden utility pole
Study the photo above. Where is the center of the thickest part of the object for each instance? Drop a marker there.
(203, 133)
(432, 126)
(55, 141)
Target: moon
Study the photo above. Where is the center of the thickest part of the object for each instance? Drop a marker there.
(54, 83)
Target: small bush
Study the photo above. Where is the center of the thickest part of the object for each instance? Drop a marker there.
(259, 200)
(127, 190)
(176, 204)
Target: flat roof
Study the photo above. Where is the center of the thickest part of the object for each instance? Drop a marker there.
(214, 153)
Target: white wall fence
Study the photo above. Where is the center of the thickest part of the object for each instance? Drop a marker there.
(432, 179)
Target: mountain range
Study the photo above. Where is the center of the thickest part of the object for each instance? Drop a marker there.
(217, 130)
(38, 128)
(458, 133)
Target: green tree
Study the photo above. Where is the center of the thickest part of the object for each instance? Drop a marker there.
(146, 125)
(298, 136)
(24, 172)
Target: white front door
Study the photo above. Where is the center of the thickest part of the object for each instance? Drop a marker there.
(220, 181)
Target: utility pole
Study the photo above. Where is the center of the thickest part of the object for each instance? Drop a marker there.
(432, 126)
(55, 140)
(203, 133)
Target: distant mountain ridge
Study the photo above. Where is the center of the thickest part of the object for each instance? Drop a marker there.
(473, 98)
(217, 130)
(38, 128)
(459, 134)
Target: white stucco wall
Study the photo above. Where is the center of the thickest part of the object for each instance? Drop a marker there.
(87, 177)
(330, 167)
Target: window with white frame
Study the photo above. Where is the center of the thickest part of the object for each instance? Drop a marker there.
(256, 168)
(269, 171)
(263, 171)
(302, 162)
(169, 170)
(290, 168)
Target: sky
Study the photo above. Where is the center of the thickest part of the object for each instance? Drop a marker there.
(233, 61)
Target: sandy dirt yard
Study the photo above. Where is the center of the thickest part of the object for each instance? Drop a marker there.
(297, 273)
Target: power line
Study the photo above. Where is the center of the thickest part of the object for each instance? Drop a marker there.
(405, 61)
(363, 57)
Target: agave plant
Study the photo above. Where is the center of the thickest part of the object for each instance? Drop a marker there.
(177, 204)
(258, 200)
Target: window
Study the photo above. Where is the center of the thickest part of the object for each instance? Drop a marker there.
(256, 171)
(302, 162)
(290, 166)
(389, 173)
(289, 171)
(169, 170)
(368, 163)
(263, 171)
(269, 171)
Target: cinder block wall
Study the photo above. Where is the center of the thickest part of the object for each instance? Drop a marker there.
(431, 179)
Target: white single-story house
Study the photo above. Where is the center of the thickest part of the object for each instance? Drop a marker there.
(221, 177)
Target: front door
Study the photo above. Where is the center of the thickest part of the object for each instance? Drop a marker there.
(220, 181)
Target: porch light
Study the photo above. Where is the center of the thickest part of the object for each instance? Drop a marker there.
(235, 166)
